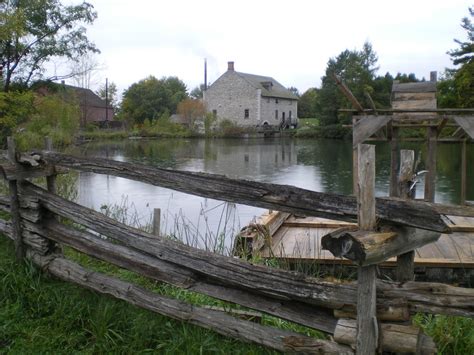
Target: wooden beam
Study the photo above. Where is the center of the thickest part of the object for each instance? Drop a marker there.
(367, 126)
(370, 248)
(413, 110)
(395, 338)
(220, 322)
(174, 261)
(347, 93)
(271, 196)
(467, 124)
(367, 327)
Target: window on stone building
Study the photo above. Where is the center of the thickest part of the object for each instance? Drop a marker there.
(283, 116)
(289, 115)
(246, 113)
(276, 114)
(214, 113)
(276, 101)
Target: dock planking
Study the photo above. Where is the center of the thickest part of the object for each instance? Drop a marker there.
(299, 238)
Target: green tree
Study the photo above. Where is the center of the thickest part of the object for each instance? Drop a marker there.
(357, 70)
(465, 53)
(111, 94)
(150, 98)
(15, 108)
(457, 88)
(34, 31)
(308, 104)
(197, 92)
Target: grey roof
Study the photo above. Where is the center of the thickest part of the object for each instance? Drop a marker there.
(86, 96)
(424, 86)
(275, 90)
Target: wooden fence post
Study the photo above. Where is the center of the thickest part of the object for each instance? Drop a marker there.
(15, 205)
(406, 262)
(367, 326)
(430, 178)
(156, 221)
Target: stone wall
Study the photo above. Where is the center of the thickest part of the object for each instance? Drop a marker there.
(230, 96)
(269, 106)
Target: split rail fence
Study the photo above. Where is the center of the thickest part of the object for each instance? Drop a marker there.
(362, 317)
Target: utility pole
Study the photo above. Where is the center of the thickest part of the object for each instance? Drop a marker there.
(106, 100)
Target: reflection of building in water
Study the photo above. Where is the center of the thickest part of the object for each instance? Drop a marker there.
(252, 158)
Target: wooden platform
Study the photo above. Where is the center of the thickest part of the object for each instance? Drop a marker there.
(300, 239)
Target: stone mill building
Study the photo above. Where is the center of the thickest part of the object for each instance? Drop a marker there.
(251, 100)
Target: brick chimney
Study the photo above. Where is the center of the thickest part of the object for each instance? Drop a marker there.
(230, 66)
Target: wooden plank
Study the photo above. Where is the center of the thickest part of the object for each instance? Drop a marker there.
(271, 196)
(420, 87)
(467, 124)
(367, 126)
(367, 327)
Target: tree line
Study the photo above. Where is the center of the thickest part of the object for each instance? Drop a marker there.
(358, 68)
(33, 32)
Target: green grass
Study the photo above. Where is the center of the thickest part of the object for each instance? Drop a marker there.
(39, 314)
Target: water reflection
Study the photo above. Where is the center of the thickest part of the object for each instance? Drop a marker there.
(321, 165)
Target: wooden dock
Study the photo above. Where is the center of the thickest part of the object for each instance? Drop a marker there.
(298, 240)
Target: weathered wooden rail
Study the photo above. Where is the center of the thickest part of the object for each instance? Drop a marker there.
(285, 294)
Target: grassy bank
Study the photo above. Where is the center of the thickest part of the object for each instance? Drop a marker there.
(39, 314)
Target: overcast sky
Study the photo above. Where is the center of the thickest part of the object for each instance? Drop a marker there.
(288, 40)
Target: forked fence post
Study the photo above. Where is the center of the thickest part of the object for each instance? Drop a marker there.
(15, 205)
(367, 325)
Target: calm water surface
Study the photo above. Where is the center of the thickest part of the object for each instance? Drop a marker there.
(320, 165)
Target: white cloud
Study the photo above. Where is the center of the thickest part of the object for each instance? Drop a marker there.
(291, 41)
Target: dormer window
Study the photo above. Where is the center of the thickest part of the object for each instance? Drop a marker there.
(267, 85)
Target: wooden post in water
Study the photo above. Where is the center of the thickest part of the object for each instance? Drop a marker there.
(367, 327)
(15, 205)
(394, 159)
(430, 178)
(355, 162)
(463, 172)
(406, 262)
(156, 221)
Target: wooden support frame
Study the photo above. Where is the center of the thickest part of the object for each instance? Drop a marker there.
(367, 326)
(405, 270)
(430, 162)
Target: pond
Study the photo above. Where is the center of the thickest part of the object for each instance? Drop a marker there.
(315, 164)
